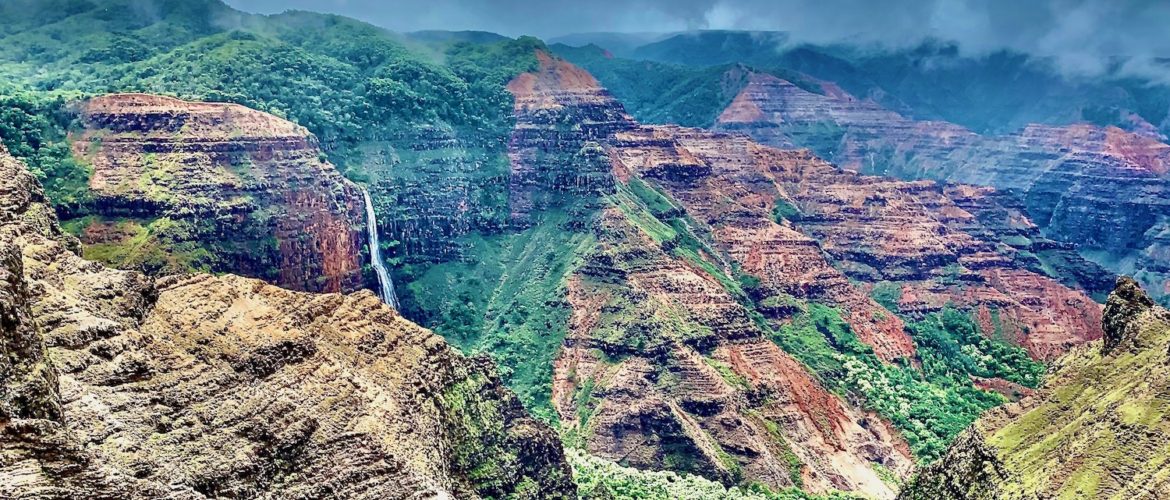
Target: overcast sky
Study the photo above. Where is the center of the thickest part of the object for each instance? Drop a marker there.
(1080, 34)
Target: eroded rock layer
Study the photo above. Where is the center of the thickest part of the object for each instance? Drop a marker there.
(562, 116)
(663, 368)
(217, 187)
(1096, 429)
(665, 365)
(804, 228)
(1102, 188)
(196, 386)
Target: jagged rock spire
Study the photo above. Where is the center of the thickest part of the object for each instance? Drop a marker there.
(1126, 303)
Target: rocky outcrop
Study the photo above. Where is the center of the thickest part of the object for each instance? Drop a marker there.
(663, 368)
(198, 386)
(28, 383)
(971, 471)
(183, 186)
(1125, 306)
(1101, 188)
(562, 116)
(1096, 429)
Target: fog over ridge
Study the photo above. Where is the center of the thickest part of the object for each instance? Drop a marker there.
(1084, 37)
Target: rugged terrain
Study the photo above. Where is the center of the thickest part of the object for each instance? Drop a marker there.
(803, 226)
(707, 248)
(1096, 429)
(197, 386)
(675, 298)
(1102, 188)
(180, 186)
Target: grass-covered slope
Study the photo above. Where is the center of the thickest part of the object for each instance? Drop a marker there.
(1097, 429)
(505, 300)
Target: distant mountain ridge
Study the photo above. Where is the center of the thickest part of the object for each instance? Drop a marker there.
(999, 92)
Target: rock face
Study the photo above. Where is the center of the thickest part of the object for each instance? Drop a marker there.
(1103, 188)
(832, 226)
(1097, 429)
(197, 386)
(217, 187)
(561, 115)
(663, 368)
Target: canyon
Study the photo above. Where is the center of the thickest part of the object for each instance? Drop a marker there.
(690, 256)
(804, 293)
(693, 254)
(1102, 188)
(669, 361)
(117, 384)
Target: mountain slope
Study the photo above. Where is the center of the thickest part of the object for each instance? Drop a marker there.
(199, 386)
(936, 80)
(1097, 429)
(1068, 178)
(709, 322)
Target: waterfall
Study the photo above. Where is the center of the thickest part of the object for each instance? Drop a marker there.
(385, 285)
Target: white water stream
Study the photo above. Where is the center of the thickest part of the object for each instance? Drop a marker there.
(385, 284)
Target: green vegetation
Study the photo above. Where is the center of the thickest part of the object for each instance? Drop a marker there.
(34, 127)
(507, 302)
(784, 210)
(347, 81)
(662, 93)
(790, 459)
(598, 478)
(929, 405)
(158, 246)
(887, 293)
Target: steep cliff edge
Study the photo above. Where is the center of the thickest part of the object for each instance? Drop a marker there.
(180, 186)
(1097, 429)
(197, 386)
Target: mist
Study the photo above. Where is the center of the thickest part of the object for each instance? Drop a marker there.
(1082, 37)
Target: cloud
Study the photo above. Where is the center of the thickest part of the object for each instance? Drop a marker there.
(1081, 36)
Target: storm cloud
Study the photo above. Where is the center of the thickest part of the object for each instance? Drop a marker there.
(1081, 36)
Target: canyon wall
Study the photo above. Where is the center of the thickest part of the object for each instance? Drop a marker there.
(183, 186)
(200, 386)
(708, 245)
(1101, 188)
(806, 229)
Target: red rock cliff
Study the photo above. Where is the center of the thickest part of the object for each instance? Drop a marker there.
(218, 187)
